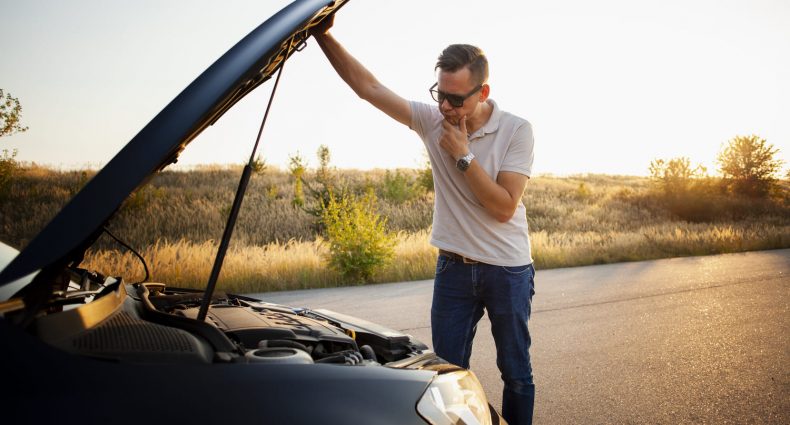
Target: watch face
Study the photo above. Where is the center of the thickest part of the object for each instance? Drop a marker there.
(462, 164)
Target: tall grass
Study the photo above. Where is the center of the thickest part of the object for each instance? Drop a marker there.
(272, 267)
(300, 265)
(193, 206)
(176, 220)
(567, 249)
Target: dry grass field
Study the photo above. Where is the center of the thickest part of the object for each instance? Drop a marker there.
(177, 219)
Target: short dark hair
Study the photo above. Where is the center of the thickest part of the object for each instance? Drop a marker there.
(457, 56)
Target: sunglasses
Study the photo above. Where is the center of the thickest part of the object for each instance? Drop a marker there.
(454, 100)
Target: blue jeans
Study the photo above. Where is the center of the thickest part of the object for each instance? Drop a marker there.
(460, 294)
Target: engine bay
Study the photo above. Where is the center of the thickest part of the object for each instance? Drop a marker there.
(150, 323)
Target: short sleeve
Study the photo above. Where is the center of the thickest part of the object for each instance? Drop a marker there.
(521, 151)
(420, 115)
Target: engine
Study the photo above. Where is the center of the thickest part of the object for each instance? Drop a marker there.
(279, 334)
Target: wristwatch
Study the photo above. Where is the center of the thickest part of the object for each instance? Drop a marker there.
(463, 163)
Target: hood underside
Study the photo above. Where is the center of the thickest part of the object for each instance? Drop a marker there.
(248, 64)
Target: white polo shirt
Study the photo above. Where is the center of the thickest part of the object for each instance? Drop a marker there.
(460, 222)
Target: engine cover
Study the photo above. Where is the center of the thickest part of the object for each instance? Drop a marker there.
(249, 326)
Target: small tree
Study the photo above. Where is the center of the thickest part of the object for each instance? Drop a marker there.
(748, 165)
(359, 243)
(325, 183)
(674, 177)
(10, 115)
(297, 168)
(324, 174)
(684, 191)
(259, 165)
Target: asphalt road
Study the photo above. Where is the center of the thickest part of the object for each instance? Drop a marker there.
(684, 340)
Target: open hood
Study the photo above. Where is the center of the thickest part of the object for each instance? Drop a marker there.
(86, 345)
(249, 63)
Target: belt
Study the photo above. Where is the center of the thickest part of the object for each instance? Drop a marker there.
(457, 257)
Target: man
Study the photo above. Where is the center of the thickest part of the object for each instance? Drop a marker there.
(481, 159)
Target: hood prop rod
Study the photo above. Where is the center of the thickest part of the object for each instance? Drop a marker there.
(234, 211)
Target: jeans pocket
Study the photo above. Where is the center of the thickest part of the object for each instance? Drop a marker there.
(442, 263)
(516, 270)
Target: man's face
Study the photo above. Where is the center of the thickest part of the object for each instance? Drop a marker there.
(459, 83)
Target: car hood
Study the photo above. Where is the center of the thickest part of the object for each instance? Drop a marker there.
(245, 66)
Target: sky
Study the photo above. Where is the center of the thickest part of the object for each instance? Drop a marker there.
(607, 85)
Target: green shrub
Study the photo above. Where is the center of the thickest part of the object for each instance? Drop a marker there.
(259, 165)
(272, 192)
(398, 187)
(425, 176)
(297, 168)
(583, 192)
(359, 243)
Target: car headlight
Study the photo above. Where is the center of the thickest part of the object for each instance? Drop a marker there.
(455, 398)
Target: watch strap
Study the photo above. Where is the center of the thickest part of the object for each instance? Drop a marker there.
(464, 162)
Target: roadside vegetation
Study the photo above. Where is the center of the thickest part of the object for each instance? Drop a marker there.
(10, 124)
(318, 227)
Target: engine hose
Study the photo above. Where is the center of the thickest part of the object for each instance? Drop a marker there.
(267, 343)
(368, 353)
(347, 357)
(339, 358)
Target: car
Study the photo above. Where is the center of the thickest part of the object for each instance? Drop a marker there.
(84, 346)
